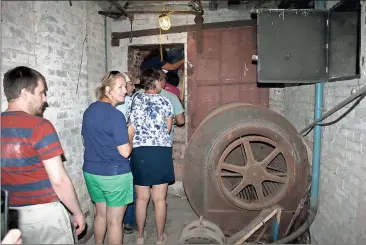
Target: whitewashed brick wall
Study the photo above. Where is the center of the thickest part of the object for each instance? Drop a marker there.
(49, 36)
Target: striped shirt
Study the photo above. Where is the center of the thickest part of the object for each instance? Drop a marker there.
(26, 141)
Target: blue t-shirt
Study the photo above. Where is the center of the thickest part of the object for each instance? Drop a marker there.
(154, 62)
(103, 129)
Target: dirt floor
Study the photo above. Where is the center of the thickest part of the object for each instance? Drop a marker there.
(179, 215)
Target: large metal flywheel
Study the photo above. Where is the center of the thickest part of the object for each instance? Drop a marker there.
(241, 159)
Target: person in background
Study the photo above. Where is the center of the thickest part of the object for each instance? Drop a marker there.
(108, 145)
(129, 220)
(172, 81)
(151, 114)
(131, 87)
(178, 110)
(31, 166)
(153, 60)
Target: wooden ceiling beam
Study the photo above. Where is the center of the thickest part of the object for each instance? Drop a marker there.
(183, 28)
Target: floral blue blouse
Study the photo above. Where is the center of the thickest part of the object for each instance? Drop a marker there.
(148, 113)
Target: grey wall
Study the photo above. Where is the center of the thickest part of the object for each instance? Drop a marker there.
(49, 36)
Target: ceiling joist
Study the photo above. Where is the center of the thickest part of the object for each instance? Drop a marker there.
(184, 28)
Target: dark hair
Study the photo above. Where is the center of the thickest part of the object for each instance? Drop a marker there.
(148, 78)
(19, 78)
(172, 78)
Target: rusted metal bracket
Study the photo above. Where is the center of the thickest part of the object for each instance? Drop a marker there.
(199, 35)
(183, 28)
(131, 21)
(120, 8)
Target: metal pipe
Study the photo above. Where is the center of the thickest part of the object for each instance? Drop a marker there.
(319, 97)
(301, 230)
(314, 195)
(318, 107)
(105, 44)
(276, 229)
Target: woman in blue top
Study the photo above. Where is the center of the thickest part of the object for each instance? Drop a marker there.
(106, 169)
(151, 160)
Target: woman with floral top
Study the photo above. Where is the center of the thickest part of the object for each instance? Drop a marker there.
(151, 160)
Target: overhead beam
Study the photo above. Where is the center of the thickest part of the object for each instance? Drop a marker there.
(111, 14)
(162, 12)
(184, 28)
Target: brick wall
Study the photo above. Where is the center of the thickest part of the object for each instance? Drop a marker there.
(66, 44)
(341, 216)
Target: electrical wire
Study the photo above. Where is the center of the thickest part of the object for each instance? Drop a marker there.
(340, 117)
(160, 35)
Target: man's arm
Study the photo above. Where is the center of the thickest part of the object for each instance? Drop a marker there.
(178, 111)
(179, 119)
(48, 146)
(169, 123)
(122, 136)
(62, 184)
(172, 67)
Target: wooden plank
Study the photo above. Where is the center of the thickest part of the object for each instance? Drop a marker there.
(250, 230)
(184, 28)
(254, 225)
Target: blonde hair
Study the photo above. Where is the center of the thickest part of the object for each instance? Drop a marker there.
(109, 79)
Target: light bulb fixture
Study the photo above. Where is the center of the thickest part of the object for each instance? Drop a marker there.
(164, 22)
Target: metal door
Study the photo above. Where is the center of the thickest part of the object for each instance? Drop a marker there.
(223, 72)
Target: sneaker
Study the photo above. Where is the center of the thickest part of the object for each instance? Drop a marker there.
(129, 229)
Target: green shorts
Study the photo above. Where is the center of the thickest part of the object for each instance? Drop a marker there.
(115, 191)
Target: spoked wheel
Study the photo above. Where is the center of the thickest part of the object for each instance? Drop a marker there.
(241, 159)
(259, 177)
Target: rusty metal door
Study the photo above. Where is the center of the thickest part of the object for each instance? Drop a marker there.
(223, 72)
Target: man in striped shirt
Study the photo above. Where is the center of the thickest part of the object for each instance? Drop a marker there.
(31, 165)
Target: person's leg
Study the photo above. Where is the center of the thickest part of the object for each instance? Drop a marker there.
(114, 224)
(118, 193)
(97, 196)
(130, 215)
(158, 194)
(142, 199)
(100, 222)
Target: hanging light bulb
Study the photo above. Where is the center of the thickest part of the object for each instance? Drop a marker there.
(164, 22)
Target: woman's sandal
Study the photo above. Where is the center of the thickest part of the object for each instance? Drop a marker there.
(165, 239)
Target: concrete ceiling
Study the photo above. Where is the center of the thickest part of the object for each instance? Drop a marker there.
(140, 6)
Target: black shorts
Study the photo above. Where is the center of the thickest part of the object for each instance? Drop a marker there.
(152, 165)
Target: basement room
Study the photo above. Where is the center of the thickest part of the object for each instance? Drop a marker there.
(188, 122)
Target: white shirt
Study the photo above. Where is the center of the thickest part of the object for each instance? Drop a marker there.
(123, 107)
